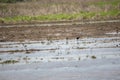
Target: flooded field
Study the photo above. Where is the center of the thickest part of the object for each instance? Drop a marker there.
(81, 52)
(59, 50)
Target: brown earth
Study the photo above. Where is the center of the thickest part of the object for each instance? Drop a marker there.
(57, 32)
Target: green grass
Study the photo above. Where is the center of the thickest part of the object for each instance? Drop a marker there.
(49, 17)
(16, 19)
(62, 16)
(55, 17)
(110, 13)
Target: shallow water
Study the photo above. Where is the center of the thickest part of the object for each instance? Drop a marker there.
(60, 50)
(83, 59)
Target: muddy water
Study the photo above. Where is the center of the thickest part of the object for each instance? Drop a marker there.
(59, 50)
(67, 59)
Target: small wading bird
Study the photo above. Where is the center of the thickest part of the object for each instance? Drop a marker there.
(77, 38)
(67, 40)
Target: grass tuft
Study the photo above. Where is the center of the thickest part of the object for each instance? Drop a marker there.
(93, 57)
(9, 62)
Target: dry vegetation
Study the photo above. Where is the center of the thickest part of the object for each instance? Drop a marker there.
(59, 9)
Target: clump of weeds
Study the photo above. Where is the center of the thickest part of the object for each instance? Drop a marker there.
(9, 62)
(93, 57)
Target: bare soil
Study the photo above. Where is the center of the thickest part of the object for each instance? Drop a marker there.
(57, 32)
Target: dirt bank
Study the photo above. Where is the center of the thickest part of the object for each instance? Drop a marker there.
(57, 32)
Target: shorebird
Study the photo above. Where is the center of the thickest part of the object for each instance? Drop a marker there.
(77, 38)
